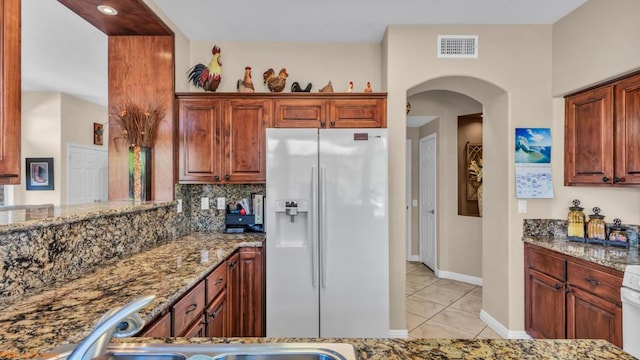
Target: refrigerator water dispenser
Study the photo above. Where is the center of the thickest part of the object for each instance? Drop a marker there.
(292, 223)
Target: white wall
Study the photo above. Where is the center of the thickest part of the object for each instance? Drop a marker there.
(305, 62)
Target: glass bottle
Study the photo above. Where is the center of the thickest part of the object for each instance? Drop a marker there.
(596, 228)
(575, 222)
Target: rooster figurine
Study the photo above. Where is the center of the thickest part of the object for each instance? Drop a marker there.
(246, 85)
(273, 82)
(207, 76)
(350, 88)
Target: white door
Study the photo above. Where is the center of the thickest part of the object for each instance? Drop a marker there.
(428, 201)
(354, 241)
(87, 174)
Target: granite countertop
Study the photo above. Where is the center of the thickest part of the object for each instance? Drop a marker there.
(395, 349)
(25, 219)
(612, 257)
(65, 313)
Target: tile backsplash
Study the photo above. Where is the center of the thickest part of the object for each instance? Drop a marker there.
(212, 219)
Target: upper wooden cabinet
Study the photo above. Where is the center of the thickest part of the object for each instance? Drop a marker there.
(10, 93)
(320, 110)
(221, 136)
(221, 139)
(602, 135)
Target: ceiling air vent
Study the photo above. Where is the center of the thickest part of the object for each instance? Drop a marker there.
(458, 46)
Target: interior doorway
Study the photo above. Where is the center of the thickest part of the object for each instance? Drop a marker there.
(87, 174)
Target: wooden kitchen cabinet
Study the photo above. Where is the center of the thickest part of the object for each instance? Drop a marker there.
(330, 111)
(10, 118)
(188, 309)
(602, 133)
(198, 329)
(160, 328)
(566, 297)
(245, 291)
(217, 317)
(222, 139)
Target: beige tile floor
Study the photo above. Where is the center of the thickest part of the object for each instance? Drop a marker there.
(442, 308)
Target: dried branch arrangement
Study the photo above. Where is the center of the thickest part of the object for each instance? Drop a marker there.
(139, 125)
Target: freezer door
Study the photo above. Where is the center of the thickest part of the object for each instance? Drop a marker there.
(354, 245)
(292, 300)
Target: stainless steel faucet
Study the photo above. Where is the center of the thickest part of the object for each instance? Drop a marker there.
(119, 322)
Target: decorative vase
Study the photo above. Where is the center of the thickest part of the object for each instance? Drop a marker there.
(139, 173)
(480, 199)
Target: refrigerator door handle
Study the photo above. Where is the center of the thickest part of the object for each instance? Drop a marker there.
(313, 229)
(323, 226)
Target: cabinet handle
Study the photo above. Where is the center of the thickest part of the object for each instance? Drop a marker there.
(617, 179)
(323, 123)
(233, 264)
(216, 178)
(191, 308)
(214, 314)
(227, 177)
(558, 286)
(219, 281)
(605, 179)
(333, 124)
(568, 290)
(593, 282)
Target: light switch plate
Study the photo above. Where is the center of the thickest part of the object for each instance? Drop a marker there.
(414, 203)
(522, 206)
(220, 203)
(204, 203)
(179, 207)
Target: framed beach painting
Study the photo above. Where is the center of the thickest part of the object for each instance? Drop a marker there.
(39, 173)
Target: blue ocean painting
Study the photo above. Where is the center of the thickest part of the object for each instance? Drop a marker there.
(533, 145)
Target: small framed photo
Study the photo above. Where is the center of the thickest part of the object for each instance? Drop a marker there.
(39, 173)
(98, 132)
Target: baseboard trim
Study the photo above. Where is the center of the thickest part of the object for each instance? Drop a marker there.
(458, 277)
(413, 258)
(399, 334)
(500, 329)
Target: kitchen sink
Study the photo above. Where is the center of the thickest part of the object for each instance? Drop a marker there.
(266, 351)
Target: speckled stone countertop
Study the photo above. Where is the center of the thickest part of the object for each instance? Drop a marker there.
(395, 349)
(551, 234)
(15, 220)
(65, 313)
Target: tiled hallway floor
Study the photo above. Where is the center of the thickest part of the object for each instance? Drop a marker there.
(442, 308)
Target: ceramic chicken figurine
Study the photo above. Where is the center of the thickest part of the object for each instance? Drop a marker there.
(295, 87)
(327, 88)
(273, 82)
(350, 88)
(245, 85)
(368, 89)
(207, 76)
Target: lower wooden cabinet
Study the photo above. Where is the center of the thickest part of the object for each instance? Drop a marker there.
(570, 298)
(229, 302)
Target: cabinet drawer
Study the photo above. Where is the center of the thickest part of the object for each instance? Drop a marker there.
(188, 309)
(216, 282)
(595, 281)
(546, 262)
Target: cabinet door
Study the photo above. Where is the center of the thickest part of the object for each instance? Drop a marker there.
(252, 291)
(161, 328)
(200, 126)
(188, 309)
(592, 317)
(357, 113)
(627, 138)
(301, 113)
(198, 329)
(244, 140)
(589, 137)
(544, 306)
(10, 92)
(217, 322)
(233, 295)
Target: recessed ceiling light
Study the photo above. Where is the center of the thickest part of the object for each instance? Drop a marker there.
(107, 10)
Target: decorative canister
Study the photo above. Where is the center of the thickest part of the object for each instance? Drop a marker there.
(618, 234)
(575, 222)
(596, 228)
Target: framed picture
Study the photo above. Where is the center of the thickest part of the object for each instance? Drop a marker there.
(39, 173)
(97, 133)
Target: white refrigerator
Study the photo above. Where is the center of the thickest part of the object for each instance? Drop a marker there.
(327, 256)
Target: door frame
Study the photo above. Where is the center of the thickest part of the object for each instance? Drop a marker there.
(423, 231)
(409, 203)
